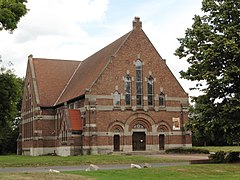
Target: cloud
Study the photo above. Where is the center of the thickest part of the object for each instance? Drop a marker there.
(51, 29)
(59, 18)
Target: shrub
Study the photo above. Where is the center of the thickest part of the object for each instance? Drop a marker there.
(222, 157)
(232, 157)
(218, 157)
(182, 150)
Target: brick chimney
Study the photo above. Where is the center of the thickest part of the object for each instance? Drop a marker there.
(137, 24)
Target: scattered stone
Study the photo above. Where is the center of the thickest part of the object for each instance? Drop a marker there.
(136, 166)
(92, 167)
(146, 165)
(54, 171)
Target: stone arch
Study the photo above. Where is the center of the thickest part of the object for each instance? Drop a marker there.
(116, 135)
(140, 122)
(145, 119)
(163, 127)
(116, 125)
(163, 131)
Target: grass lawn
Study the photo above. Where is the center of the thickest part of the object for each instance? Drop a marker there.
(42, 176)
(219, 148)
(34, 161)
(206, 171)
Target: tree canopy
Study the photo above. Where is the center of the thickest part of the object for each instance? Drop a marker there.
(11, 12)
(11, 88)
(212, 48)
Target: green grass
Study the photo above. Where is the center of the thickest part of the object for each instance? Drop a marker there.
(219, 148)
(34, 161)
(206, 171)
(38, 175)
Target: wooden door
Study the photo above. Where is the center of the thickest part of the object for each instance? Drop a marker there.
(116, 143)
(161, 142)
(139, 141)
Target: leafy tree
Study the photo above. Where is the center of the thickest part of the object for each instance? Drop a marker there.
(200, 122)
(11, 12)
(212, 48)
(11, 88)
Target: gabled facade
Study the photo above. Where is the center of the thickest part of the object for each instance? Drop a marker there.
(122, 98)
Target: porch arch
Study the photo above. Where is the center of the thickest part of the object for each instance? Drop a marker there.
(145, 119)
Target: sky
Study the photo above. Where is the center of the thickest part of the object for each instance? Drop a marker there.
(75, 29)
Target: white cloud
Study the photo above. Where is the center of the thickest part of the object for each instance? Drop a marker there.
(51, 29)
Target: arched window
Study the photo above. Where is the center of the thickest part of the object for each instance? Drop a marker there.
(139, 82)
(128, 90)
(150, 91)
(162, 99)
(116, 98)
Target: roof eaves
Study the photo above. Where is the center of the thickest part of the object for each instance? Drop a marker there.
(35, 85)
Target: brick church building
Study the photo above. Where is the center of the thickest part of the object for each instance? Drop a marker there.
(122, 98)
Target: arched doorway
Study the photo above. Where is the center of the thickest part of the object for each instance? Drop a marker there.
(163, 138)
(116, 137)
(140, 126)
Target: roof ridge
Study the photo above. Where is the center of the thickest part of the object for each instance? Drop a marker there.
(110, 59)
(130, 32)
(51, 59)
(80, 62)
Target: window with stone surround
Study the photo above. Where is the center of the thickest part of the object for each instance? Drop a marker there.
(139, 91)
(162, 99)
(150, 91)
(127, 88)
(116, 98)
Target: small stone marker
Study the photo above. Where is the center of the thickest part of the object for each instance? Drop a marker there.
(92, 167)
(136, 166)
(54, 171)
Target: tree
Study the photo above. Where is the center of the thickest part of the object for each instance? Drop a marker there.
(212, 48)
(11, 12)
(11, 88)
(204, 132)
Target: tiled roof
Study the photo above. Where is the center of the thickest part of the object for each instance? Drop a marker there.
(61, 80)
(75, 119)
(52, 76)
(90, 69)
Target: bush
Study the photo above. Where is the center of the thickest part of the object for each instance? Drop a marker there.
(232, 157)
(222, 157)
(182, 150)
(218, 157)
